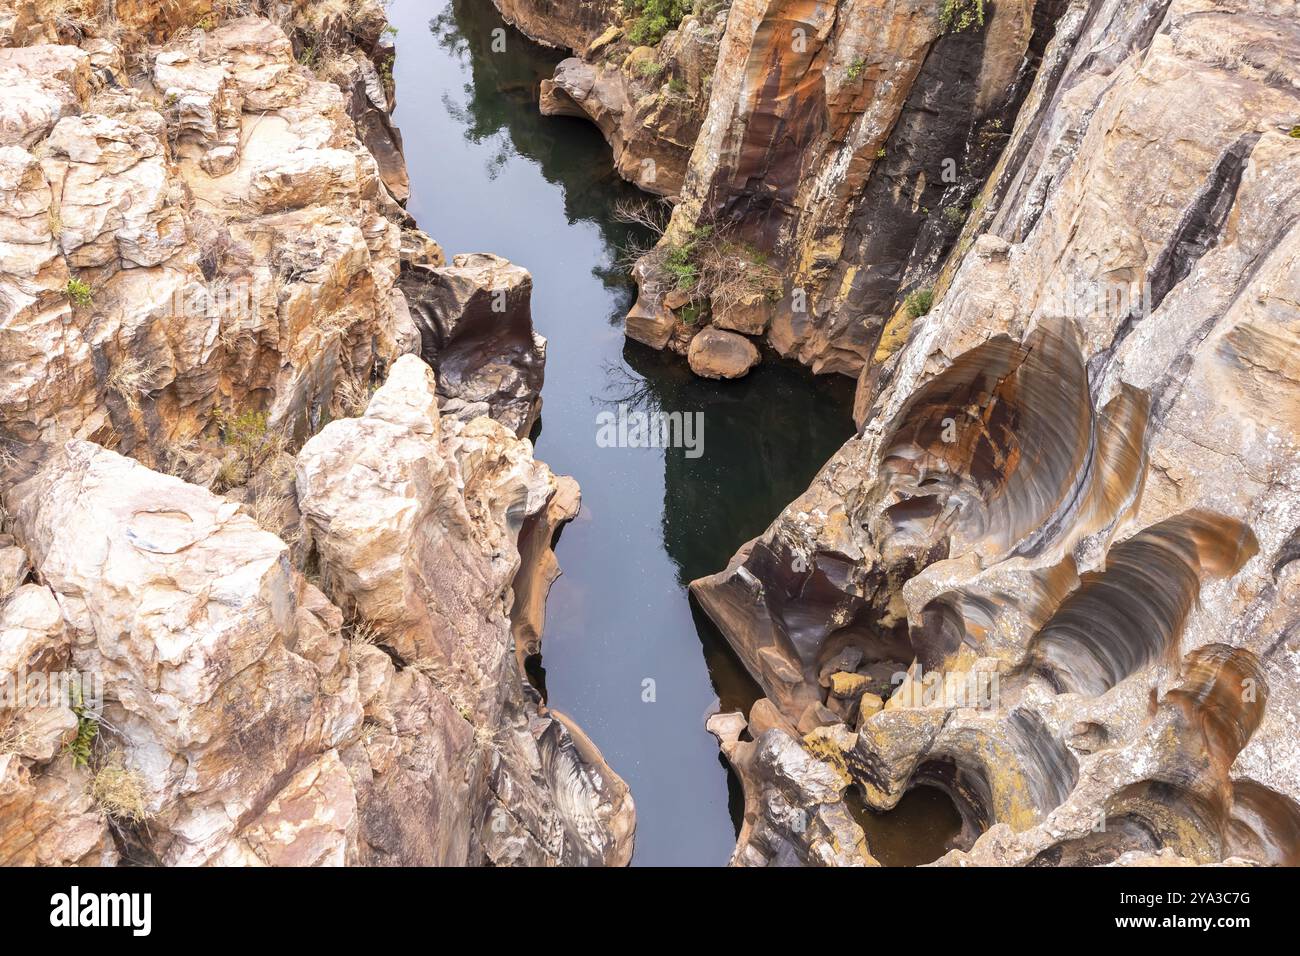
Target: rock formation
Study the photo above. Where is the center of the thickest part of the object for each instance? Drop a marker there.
(476, 328)
(846, 140)
(265, 480)
(294, 657)
(1068, 524)
(649, 101)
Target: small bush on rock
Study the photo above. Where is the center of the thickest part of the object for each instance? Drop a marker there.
(119, 792)
(653, 19)
(79, 292)
(918, 302)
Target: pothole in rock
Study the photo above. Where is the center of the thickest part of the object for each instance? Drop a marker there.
(922, 827)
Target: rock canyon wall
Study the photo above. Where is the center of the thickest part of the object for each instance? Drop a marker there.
(283, 520)
(266, 481)
(1076, 484)
(1056, 242)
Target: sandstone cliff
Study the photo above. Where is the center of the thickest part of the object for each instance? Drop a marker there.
(647, 94)
(1076, 481)
(295, 561)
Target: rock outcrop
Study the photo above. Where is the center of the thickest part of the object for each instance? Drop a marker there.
(846, 141)
(415, 521)
(574, 24)
(307, 659)
(1068, 525)
(649, 102)
(212, 236)
(476, 328)
(261, 724)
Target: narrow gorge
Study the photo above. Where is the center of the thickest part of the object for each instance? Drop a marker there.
(659, 432)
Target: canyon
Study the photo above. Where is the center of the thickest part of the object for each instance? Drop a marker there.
(991, 308)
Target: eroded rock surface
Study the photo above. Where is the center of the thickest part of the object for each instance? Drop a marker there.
(476, 329)
(715, 353)
(649, 102)
(210, 233)
(1067, 526)
(415, 519)
(845, 140)
(305, 659)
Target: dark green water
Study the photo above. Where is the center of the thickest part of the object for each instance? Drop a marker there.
(920, 829)
(490, 174)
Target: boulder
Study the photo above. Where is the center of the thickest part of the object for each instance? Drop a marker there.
(715, 353)
(476, 329)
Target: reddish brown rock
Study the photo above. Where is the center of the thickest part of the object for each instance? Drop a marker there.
(717, 354)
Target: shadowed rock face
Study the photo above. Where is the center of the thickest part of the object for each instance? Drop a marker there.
(476, 329)
(648, 102)
(992, 451)
(1265, 825)
(1090, 500)
(565, 23)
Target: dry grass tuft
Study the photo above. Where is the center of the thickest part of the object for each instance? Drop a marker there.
(72, 18)
(118, 791)
(12, 740)
(179, 458)
(131, 378)
(353, 395)
(211, 236)
(364, 631)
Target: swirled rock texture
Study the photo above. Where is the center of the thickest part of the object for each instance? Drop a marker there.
(1062, 547)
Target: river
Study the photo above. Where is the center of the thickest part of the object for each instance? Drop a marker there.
(625, 653)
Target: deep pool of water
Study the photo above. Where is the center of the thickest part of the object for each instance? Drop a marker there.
(490, 174)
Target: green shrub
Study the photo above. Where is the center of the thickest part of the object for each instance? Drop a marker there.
(79, 747)
(682, 261)
(79, 292)
(954, 215)
(654, 18)
(918, 302)
(692, 313)
(958, 15)
(648, 69)
(1295, 131)
(856, 68)
(245, 431)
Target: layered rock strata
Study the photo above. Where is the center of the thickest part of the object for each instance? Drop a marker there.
(845, 141)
